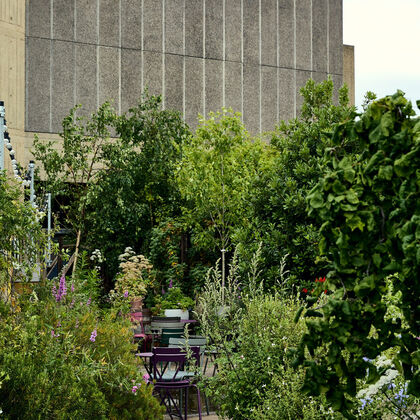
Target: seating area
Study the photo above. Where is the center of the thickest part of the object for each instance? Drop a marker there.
(172, 360)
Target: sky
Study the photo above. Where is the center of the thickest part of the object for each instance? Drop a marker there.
(386, 39)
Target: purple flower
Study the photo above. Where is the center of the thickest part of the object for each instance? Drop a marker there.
(72, 287)
(76, 325)
(58, 324)
(126, 294)
(146, 377)
(54, 290)
(93, 336)
(88, 302)
(52, 333)
(62, 290)
(72, 303)
(170, 284)
(134, 389)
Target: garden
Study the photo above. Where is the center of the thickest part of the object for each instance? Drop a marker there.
(296, 254)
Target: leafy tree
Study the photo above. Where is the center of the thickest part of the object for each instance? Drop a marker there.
(279, 217)
(369, 209)
(215, 175)
(72, 166)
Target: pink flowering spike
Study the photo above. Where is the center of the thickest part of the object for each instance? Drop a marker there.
(93, 336)
(126, 294)
(88, 302)
(146, 377)
(72, 287)
(134, 389)
(52, 333)
(170, 284)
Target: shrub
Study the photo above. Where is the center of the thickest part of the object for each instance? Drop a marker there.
(64, 359)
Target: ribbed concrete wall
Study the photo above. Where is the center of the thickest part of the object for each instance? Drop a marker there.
(252, 55)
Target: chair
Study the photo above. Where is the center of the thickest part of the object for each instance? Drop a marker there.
(169, 374)
(140, 336)
(168, 333)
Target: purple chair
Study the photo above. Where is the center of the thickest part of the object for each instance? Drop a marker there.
(169, 376)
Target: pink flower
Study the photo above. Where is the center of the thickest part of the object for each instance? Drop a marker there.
(88, 302)
(93, 336)
(170, 284)
(126, 294)
(146, 377)
(72, 287)
(134, 389)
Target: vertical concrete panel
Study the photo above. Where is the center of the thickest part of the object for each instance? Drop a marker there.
(86, 21)
(174, 82)
(233, 30)
(131, 24)
(109, 75)
(63, 20)
(233, 85)
(348, 70)
(303, 35)
(39, 18)
(286, 23)
(152, 68)
(319, 76)
(86, 84)
(301, 79)
(286, 81)
(152, 23)
(335, 36)
(130, 78)
(269, 32)
(194, 28)
(174, 27)
(193, 90)
(62, 82)
(338, 82)
(214, 85)
(319, 35)
(251, 32)
(38, 84)
(268, 98)
(214, 29)
(109, 23)
(251, 101)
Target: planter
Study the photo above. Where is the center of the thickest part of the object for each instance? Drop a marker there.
(184, 315)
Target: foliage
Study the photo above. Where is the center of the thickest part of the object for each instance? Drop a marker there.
(135, 275)
(22, 240)
(370, 212)
(65, 359)
(72, 166)
(138, 191)
(130, 177)
(279, 217)
(214, 178)
(173, 298)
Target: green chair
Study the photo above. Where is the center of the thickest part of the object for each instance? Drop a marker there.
(168, 333)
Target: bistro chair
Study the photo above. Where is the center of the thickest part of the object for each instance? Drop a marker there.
(172, 375)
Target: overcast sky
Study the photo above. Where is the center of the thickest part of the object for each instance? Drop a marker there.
(386, 39)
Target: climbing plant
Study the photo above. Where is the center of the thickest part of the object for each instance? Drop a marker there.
(369, 207)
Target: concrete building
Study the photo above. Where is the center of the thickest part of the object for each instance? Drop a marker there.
(251, 55)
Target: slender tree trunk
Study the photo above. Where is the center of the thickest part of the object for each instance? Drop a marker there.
(76, 251)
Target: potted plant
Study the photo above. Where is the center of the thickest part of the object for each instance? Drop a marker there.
(173, 303)
(134, 278)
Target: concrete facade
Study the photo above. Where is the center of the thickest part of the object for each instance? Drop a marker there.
(200, 55)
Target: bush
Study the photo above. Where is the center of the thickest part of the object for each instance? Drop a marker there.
(62, 359)
(255, 380)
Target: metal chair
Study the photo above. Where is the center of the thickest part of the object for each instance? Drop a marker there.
(169, 374)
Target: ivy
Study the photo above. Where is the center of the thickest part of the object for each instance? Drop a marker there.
(369, 208)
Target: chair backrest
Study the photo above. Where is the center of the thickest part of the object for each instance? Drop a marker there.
(181, 341)
(169, 363)
(166, 318)
(166, 323)
(167, 334)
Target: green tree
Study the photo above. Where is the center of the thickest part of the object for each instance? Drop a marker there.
(72, 166)
(280, 220)
(218, 165)
(369, 209)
